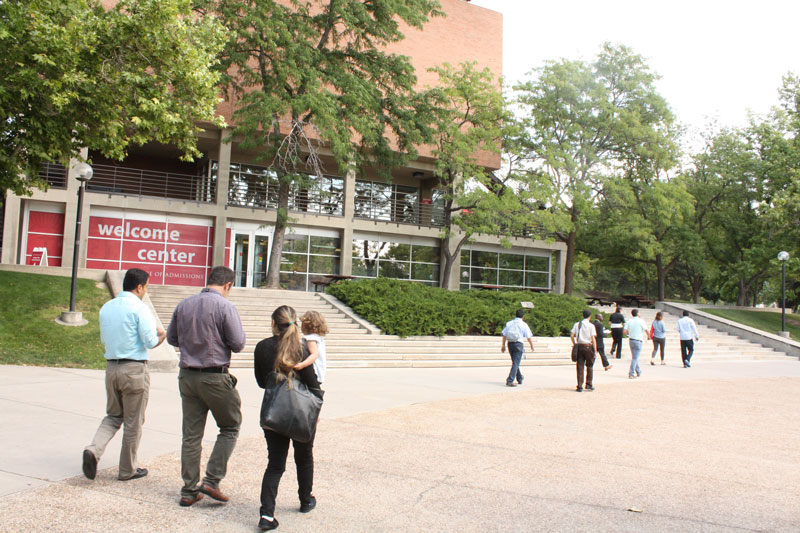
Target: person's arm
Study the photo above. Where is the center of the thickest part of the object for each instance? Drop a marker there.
(530, 341)
(313, 354)
(172, 330)
(694, 329)
(503, 347)
(150, 334)
(233, 330)
(572, 337)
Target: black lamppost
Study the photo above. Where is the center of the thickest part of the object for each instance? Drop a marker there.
(83, 173)
(783, 257)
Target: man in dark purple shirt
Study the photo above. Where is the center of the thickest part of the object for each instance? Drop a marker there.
(207, 328)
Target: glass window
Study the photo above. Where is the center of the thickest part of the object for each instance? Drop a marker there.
(511, 277)
(394, 269)
(295, 243)
(484, 276)
(294, 262)
(512, 261)
(399, 252)
(426, 254)
(365, 268)
(536, 279)
(534, 262)
(293, 282)
(424, 272)
(484, 259)
(323, 265)
(325, 245)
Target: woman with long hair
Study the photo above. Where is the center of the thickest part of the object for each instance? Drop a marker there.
(280, 354)
(659, 334)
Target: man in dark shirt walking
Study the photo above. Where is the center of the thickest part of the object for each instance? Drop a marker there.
(617, 320)
(207, 328)
(601, 347)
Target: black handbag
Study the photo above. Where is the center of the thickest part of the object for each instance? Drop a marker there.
(574, 353)
(289, 408)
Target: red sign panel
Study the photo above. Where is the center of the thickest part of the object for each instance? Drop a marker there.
(45, 230)
(173, 253)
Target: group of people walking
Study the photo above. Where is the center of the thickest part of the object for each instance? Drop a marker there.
(587, 340)
(206, 327)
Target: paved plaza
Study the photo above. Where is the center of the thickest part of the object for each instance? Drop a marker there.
(711, 448)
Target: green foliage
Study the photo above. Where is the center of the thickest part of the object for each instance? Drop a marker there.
(28, 333)
(405, 308)
(76, 75)
(584, 124)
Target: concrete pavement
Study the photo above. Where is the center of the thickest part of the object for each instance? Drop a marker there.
(713, 447)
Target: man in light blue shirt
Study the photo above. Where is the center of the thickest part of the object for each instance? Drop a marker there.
(637, 332)
(127, 329)
(514, 333)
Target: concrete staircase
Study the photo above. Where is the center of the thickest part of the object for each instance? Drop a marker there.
(351, 346)
(713, 345)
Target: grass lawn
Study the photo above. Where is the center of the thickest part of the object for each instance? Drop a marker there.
(764, 320)
(28, 333)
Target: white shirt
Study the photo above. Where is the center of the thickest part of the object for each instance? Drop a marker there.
(687, 329)
(321, 364)
(584, 331)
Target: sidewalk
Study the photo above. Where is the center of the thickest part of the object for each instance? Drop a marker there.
(437, 449)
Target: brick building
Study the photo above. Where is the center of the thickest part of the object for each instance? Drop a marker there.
(177, 219)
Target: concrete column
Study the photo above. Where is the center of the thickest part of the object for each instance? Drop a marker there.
(11, 229)
(348, 209)
(220, 211)
(558, 270)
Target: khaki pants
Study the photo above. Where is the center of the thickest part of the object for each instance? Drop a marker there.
(202, 392)
(127, 392)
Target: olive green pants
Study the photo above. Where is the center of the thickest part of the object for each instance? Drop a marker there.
(127, 392)
(202, 392)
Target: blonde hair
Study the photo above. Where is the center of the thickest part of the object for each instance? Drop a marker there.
(314, 322)
(290, 345)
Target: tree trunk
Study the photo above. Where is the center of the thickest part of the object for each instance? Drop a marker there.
(697, 285)
(569, 262)
(274, 267)
(662, 277)
(741, 298)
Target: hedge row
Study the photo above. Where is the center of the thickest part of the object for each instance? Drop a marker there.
(405, 309)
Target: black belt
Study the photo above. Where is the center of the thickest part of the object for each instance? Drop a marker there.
(211, 369)
(143, 361)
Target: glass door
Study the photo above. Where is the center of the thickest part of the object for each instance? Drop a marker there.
(250, 258)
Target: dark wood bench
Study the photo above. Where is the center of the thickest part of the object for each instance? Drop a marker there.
(640, 300)
(320, 284)
(603, 298)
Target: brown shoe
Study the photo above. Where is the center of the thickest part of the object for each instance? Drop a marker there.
(208, 490)
(188, 501)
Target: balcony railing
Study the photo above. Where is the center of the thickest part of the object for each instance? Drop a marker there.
(54, 174)
(325, 199)
(138, 182)
(401, 213)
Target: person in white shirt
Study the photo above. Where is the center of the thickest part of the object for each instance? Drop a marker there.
(636, 330)
(584, 335)
(514, 333)
(314, 330)
(688, 332)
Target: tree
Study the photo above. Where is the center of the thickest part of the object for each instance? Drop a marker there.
(306, 75)
(584, 122)
(78, 76)
(469, 113)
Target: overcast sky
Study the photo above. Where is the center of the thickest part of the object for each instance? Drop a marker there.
(716, 58)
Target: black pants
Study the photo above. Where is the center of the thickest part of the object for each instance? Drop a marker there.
(585, 358)
(616, 334)
(278, 450)
(601, 349)
(687, 349)
(658, 344)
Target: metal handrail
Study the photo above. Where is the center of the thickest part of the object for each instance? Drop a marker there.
(152, 183)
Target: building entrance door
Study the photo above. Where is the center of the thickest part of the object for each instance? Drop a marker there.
(250, 258)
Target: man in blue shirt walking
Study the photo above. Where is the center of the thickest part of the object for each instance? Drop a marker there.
(127, 329)
(514, 333)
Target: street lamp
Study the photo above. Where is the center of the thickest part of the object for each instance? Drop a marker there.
(83, 173)
(783, 257)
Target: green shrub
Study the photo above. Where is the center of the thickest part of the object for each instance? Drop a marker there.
(405, 308)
